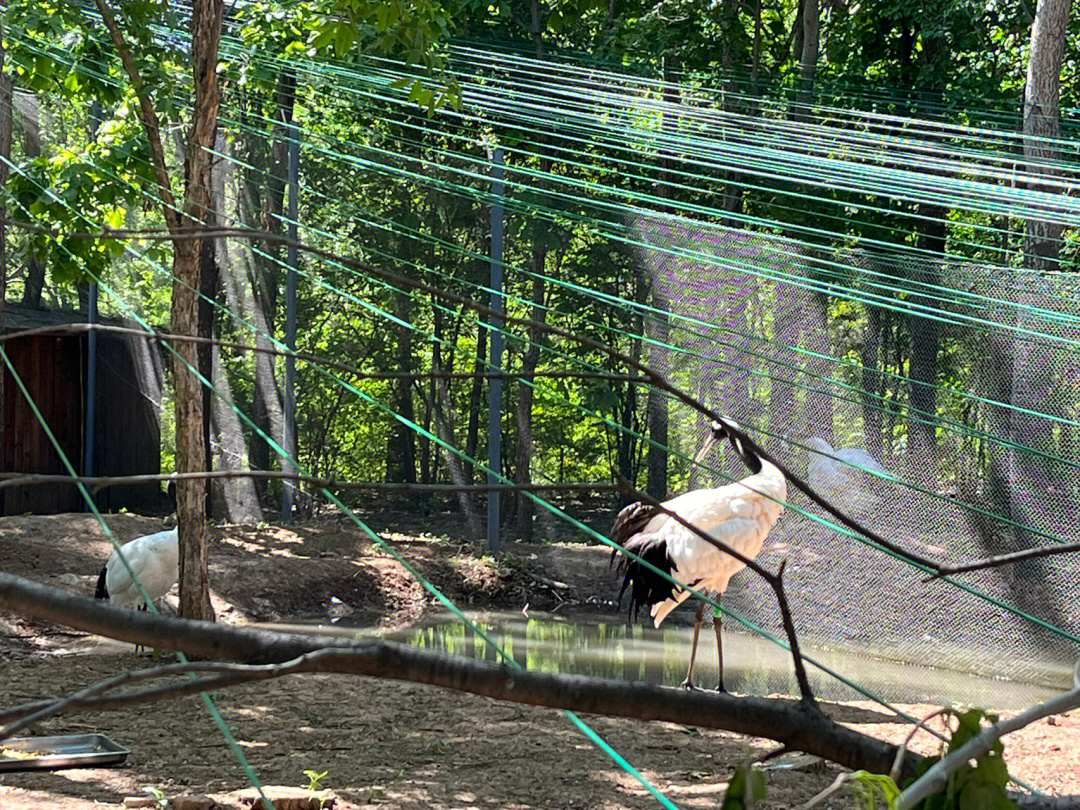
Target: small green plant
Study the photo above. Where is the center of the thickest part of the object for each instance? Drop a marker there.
(159, 797)
(314, 784)
(973, 787)
(746, 789)
(869, 787)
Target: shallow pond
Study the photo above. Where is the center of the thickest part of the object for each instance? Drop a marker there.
(753, 665)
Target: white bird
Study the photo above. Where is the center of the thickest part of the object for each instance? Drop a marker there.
(154, 559)
(840, 480)
(740, 515)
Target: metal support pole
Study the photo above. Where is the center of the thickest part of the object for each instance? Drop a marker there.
(288, 496)
(495, 356)
(91, 382)
(90, 424)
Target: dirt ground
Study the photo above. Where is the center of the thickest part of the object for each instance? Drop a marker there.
(386, 744)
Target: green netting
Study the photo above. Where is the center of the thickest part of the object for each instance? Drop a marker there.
(951, 371)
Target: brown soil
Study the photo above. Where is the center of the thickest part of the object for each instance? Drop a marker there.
(386, 744)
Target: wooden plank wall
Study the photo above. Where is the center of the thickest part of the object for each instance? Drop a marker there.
(51, 370)
(128, 440)
(128, 431)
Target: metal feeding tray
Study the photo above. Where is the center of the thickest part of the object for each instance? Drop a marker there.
(63, 751)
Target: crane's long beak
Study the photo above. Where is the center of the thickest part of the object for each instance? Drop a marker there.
(710, 440)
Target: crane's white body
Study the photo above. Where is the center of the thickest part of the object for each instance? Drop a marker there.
(154, 559)
(740, 515)
(837, 481)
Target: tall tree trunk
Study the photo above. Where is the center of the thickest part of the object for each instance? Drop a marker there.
(190, 433)
(1041, 120)
(524, 454)
(190, 439)
(30, 115)
(268, 405)
(871, 382)
(656, 404)
(537, 28)
(446, 430)
(5, 153)
(472, 431)
(239, 496)
(755, 64)
(401, 445)
(808, 58)
(795, 39)
(1030, 477)
(208, 289)
(925, 345)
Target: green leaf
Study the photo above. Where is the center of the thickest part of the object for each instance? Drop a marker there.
(325, 37)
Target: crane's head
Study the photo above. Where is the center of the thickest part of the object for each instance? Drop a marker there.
(729, 429)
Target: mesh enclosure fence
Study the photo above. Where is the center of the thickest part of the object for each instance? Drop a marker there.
(984, 447)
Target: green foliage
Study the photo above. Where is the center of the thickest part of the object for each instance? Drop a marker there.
(869, 787)
(978, 787)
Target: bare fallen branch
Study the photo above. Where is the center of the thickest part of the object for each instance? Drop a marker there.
(90, 698)
(101, 481)
(308, 357)
(791, 723)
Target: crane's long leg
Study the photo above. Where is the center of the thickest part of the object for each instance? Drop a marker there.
(698, 620)
(716, 623)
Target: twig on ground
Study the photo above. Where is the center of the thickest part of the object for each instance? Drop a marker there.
(827, 792)
(894, 772)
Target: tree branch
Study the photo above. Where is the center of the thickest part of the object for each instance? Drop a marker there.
(99, 482)
(787, 722)
(147, 115)
(937, 778)
(1003, 559)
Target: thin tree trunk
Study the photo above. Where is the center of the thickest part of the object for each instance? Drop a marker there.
(1030, 477)
(656, 404)
(446, 430)
(871, 382)
(401, 446)
(925, 345)
(524, 454)
(5, 153)
(472, 431)
(755, 65)
(241, 503)
(239, 496)
(795, 40)
(268, 405)
(30, 115)
(811, 43)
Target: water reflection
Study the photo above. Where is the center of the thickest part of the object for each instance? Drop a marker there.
(753, 665)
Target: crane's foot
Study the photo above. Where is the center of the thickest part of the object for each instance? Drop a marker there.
(720, 688)
(687, 684)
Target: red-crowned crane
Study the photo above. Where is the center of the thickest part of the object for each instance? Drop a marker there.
(154, 559)
(740, 515)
